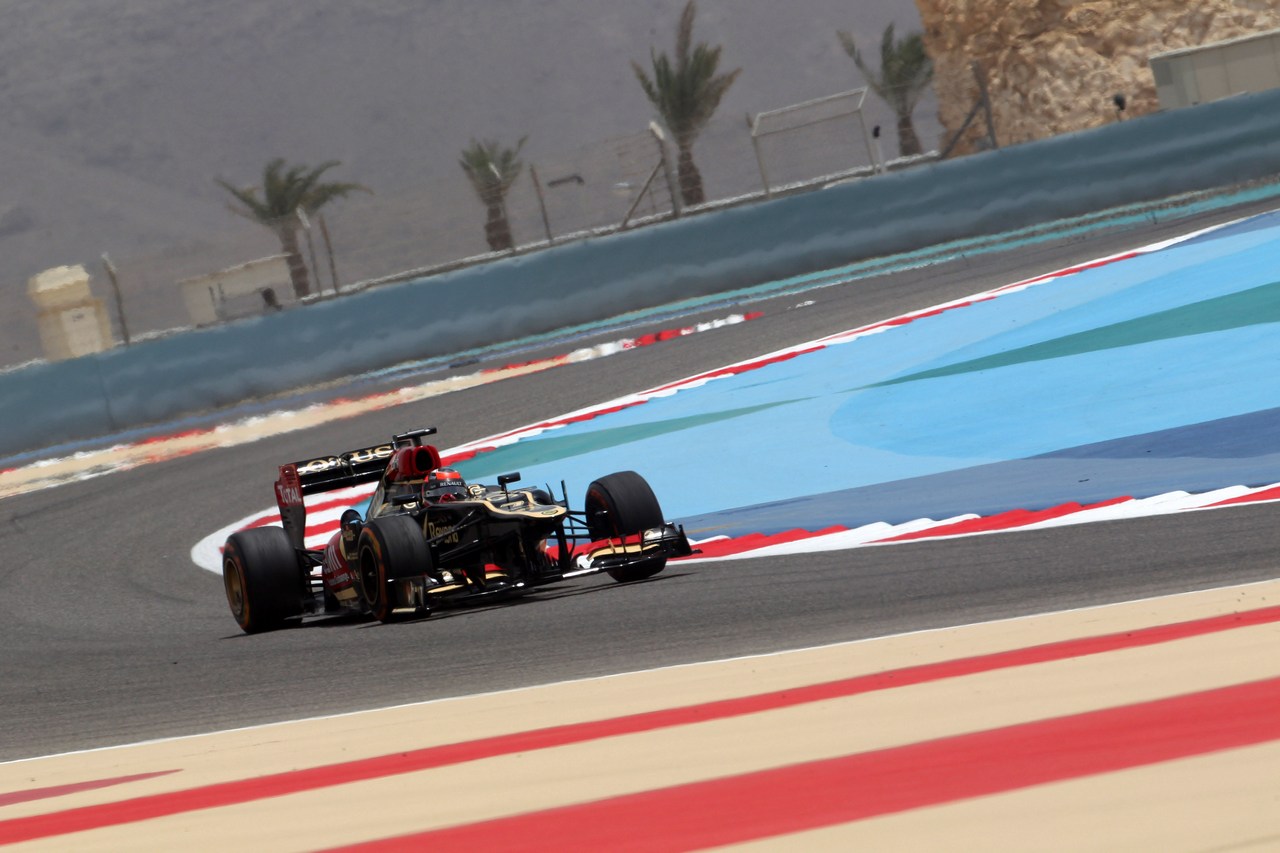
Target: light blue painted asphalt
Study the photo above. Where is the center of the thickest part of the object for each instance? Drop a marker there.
(1185, 274)
(805, 442)
(1195, 459)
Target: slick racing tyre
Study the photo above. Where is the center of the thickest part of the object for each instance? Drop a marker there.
(262, 580)
(390, 547)
(622, 504)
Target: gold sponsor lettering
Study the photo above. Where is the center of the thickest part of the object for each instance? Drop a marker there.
(315, 466)
(433, 530)
(369, 454)
(324, 463)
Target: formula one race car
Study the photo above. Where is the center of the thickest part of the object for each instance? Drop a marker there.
(430, 537)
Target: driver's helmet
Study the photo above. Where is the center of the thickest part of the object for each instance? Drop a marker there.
(350, 526)
(444, 484)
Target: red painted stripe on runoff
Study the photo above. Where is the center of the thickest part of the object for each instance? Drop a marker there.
(1272, 494)
(553, 361)
(833, 791)
(735, 369)
(31, 794)
(157, 439)
(312, 508)
(296, 781)
(756, 541)
(1101, 262)
(746, 544)
(1003, 520)
(645, 340)
(327, 528)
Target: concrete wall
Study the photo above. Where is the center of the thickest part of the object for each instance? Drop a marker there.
(1148, 158)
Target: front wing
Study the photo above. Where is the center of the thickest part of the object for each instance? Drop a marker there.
(667, 540)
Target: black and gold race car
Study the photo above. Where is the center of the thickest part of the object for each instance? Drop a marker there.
(430, 537)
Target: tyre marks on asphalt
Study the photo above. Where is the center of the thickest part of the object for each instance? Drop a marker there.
(30, 794)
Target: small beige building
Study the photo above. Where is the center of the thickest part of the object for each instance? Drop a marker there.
(219, 296)
(72, 321)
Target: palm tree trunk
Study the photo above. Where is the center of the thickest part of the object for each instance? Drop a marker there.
(297, 267)
(497, 230)
(689, 177)
(908, 142)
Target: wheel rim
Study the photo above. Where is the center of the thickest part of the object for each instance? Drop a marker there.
(233, 580)
(372, 582)
(601, 521)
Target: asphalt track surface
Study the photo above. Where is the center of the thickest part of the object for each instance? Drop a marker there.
(112, 636)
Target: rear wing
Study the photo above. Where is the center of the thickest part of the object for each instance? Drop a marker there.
(346, 469)
(326, 473)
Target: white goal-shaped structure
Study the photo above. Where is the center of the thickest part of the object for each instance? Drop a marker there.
(813, 141)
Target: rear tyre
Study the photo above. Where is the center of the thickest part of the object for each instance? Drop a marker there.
(622, 504)
(262, 580)
(391, 547)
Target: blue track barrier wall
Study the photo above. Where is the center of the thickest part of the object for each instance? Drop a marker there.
(1143, 159)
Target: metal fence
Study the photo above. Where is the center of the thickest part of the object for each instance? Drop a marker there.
(403, 232)
(827, 135)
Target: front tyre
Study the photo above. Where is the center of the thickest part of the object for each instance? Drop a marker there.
(262, 580)
(622, 504)
(390, 547)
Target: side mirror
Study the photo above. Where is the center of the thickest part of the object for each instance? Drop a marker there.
(505, 480)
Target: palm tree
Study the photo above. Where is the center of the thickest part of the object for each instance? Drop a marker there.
(492, 169)
(285, 192)
(686, 95)
(905, 72)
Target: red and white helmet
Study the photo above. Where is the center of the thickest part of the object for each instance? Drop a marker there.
(444, 484)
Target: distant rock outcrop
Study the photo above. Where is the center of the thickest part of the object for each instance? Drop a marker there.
(1053, 66)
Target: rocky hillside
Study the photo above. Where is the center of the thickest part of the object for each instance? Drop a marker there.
(1054, 65)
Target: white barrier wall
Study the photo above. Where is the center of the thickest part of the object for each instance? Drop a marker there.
(1199, 75)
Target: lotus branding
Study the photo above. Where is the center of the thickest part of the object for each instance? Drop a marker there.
(356, 457)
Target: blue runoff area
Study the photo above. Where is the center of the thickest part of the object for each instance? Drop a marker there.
(1139, 377)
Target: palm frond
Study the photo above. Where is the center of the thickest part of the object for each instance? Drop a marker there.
(685, 89)
(684, 33)
(905, 68)
(492, 167)
(283, 190)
